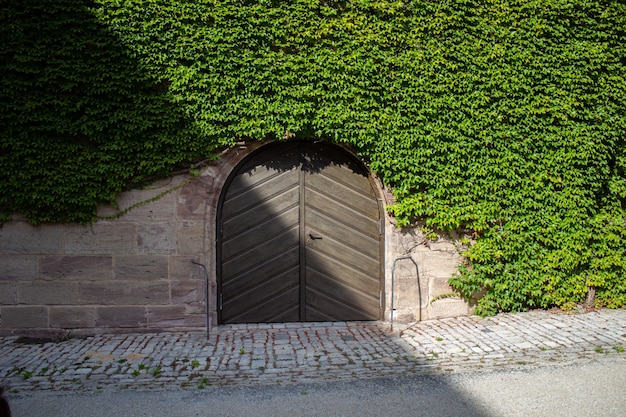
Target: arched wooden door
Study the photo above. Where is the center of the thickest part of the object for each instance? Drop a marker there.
(299, 238)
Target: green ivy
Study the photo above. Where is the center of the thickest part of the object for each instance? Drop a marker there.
(503, 118)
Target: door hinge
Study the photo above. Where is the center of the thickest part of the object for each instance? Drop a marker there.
(380, 299)
(221, 302)
(380, 227)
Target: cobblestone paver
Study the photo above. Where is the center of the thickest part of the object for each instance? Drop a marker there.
(284, 353)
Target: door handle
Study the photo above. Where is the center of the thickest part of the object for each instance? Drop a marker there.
(314, 237)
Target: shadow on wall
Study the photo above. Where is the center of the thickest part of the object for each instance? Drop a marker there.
(80, 114)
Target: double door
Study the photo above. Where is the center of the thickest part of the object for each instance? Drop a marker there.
(299, 238)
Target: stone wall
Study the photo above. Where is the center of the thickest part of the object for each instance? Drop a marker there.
(419, 281)
(135, 272)
(132, 272)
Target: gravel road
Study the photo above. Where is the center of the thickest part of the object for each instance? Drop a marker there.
(591, 388)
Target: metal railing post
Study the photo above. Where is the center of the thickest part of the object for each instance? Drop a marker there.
(206, 298)
(393, 285)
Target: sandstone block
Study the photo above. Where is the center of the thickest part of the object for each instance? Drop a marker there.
(72, 317)
(89, 268)
(448, 308)
(443, 245)
(124, 293)
(401, 315)
(197, 320)
(440, 264)
(410, 285)
(163, 208)
(18, 237)
(158, 238)
(187, 292)
(101, 239)
(141, 267)
(193, 198)
(166, 316)
(8, 293)
(47, 292)
(18, 267)
(181, 268)
(409, 294)
(25, 317)
(191, 238)
(439, 286)
(121, 316)
(198, 308)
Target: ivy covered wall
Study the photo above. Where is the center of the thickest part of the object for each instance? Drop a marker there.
(502, 119)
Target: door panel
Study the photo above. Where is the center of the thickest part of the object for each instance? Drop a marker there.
(348, 237)
(325, 308)
(265, 311)
(345, 295)
(342, 213)
(300, 238)
(260, 241)
(265, 199)
(321, 263)
(253, 234)
(350, 196)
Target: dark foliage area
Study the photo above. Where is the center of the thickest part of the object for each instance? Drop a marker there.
(501, 119)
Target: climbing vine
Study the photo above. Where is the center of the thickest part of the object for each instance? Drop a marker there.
(505, 118)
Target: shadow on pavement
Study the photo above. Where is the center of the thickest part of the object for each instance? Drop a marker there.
(421, 395)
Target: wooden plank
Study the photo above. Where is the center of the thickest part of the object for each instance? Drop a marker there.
(320, 263)
(264, 270)
(263, 290)
(321, 304)
(263, 166)
(245, 236)
(360, 236)
(280, 307)
(279, 190)
(339, 251)
(348, 179)
(354, 198)
(342, 292)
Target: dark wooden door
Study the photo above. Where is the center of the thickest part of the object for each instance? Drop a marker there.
(300, 238)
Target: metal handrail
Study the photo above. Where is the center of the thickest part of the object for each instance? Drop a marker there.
(393, 284)
(206, 298)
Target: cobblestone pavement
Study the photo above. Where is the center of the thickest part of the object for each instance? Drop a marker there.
(307, 352)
